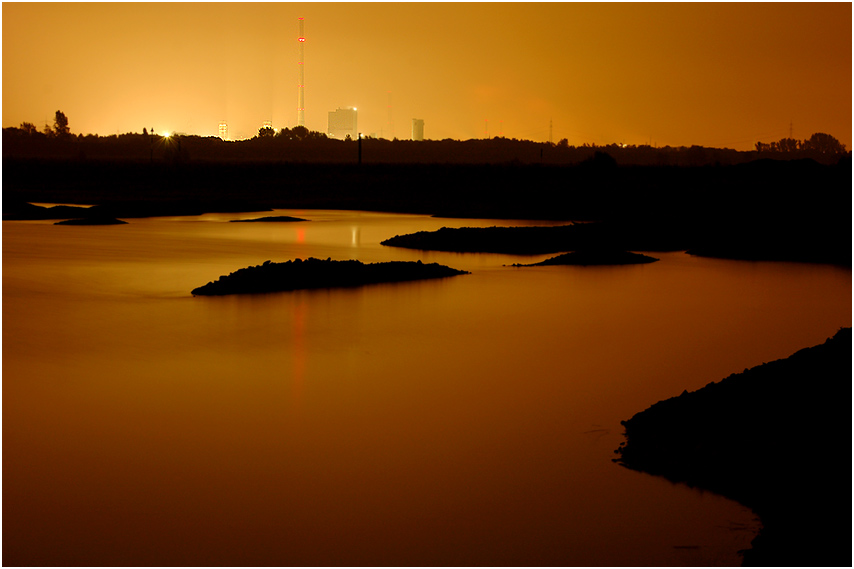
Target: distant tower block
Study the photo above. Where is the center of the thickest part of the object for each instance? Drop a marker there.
(223, 130)
(343, 122)
(417, 129)
(301, 65)
(267, 124)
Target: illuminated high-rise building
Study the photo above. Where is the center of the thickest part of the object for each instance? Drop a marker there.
(223, 130)
(343, 122)
(301, 65)
(417, 129)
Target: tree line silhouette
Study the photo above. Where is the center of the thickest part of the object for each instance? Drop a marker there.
(818, 142)
(59, 130)
(299, 144)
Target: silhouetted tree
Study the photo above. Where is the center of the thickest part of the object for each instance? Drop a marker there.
(818, 142)
(266, 131)
(824, 143)
(60, 124)
(788, 145)
(144, 131)
(29, 128)
(300, 132)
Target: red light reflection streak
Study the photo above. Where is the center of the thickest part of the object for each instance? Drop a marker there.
(300, 234)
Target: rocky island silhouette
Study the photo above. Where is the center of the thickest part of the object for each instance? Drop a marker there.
(316, 273)
(92, 221)
(591, 257)
(535, 240)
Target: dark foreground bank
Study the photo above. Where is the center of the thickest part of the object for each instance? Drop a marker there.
(776, 438)
(794, 210)
(315, 273)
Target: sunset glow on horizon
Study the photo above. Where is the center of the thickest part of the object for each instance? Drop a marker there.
(718, 75)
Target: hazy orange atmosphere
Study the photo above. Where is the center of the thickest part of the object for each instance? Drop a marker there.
(720, 75)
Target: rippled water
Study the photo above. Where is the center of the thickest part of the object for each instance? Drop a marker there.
(463, 421)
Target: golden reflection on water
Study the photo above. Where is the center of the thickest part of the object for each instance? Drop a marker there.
(466, 421)
(299, 352)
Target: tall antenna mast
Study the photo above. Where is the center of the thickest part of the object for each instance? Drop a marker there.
(390, 119)
(301, 64)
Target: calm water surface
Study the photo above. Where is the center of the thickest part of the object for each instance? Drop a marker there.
(465, 421)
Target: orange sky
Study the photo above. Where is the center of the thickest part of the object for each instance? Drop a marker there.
(723, 75)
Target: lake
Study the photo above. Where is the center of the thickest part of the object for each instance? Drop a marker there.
(463, 421)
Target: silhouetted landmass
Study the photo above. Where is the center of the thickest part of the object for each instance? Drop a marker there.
(594, 257)
(270, 219)
(137, 208)
(775, 248)
(316, 273)
(512, 240)
(92, 221)
(534, 240)
(174, 207)
(776, 438)
(301, 145)
(17, 210)
(799, 208)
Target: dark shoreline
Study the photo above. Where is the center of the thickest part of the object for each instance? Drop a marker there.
(777, 439)
(270, 219)
(795, 210)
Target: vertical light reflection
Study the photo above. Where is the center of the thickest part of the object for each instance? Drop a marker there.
(300, 234)
(355, 236)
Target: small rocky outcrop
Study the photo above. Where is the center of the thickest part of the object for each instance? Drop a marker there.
(316, 273)
(594, 257)
(92, 221)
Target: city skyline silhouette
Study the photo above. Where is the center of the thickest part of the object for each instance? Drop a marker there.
(716, 75)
